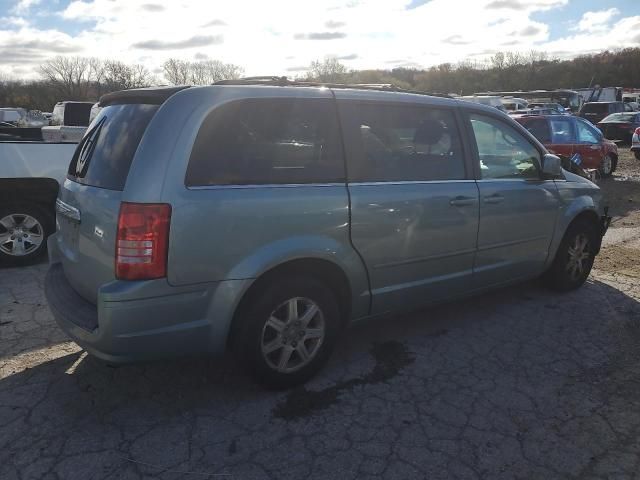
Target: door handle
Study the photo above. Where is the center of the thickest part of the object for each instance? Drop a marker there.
(461, 201)
(495, 198)
(595, 147)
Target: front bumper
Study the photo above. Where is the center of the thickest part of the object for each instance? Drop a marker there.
(174, 322)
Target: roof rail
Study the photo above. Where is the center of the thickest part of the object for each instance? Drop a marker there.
(285, 82)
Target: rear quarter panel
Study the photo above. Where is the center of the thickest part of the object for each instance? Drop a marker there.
(239, 232)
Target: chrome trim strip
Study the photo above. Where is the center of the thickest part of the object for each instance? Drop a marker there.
(264, 185)
(408, 182)
(424, 259)
(66, 210)
(512, 242)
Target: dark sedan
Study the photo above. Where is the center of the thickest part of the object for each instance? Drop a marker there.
(620, 126)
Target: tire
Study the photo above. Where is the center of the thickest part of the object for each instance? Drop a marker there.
(608, 166)
(566, 272)
(637, 154)
(270, 335)
(24, 229)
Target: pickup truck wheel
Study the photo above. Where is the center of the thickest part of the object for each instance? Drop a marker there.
(288, 331)
(24, 229)
(574, 258)
(608, 166)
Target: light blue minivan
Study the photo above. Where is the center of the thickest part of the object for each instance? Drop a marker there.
(264, 215)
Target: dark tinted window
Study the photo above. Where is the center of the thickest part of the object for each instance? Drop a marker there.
(597, 108)
(77, 114)
(402, 143)
(268, 141)
(539, 128)
(620, 117)
(104, 155)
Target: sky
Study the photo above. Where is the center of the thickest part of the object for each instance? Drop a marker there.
(282, 37)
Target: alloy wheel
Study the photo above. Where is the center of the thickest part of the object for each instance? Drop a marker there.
(293, 335)
(20, 234)
(579, 254)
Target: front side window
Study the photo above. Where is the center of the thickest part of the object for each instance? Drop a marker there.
(402, 143)
(268, 141)
(562, 131)
(586, 133)
(504, 153)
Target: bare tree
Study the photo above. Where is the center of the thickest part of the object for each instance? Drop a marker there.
(73, 77)
(328, 70)
(176, 71)
(205, 72)
(120, 76)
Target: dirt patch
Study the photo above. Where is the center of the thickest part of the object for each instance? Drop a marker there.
(619, 259)
(622, 191)
(391, 357)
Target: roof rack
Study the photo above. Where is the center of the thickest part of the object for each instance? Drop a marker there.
(285, 82)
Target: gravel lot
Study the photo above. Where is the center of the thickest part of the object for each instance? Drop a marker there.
(519, 383)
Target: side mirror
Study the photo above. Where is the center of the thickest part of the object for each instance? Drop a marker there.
(551, 166)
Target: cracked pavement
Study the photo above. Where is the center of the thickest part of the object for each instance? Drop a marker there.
(520, 383)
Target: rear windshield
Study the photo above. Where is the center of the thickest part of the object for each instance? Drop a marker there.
(104, 155)
(620, 117)
(596, 108)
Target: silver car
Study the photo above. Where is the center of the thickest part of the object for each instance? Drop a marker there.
(263, 216)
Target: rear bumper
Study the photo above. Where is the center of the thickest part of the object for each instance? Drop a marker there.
(173, 322)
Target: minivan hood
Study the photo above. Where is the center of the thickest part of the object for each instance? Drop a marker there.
(572, 177)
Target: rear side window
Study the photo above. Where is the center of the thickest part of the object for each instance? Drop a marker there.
(268, 141)
(104, 155)
(402, 143)
(562, 131)
(539, 128)
(597, 108)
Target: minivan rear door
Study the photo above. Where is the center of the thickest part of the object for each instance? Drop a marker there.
(414, 210)
(89, 200)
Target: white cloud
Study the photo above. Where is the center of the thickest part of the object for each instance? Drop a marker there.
(283, 36)
(596, 21)
(23, 6)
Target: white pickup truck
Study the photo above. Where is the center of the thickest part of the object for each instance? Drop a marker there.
(30, 175)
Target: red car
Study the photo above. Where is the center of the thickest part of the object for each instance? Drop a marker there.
(567, 136)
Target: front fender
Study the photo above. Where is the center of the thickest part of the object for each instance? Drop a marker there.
(342, 255)
(574, 204)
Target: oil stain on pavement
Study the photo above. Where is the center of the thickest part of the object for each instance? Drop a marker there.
(390, 357)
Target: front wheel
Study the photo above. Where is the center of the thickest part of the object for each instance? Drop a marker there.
(24, 229)
(574, 258)
(288, 331)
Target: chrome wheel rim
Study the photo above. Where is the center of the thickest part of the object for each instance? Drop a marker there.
(606, 165)
(20, 234)
(292, 335)
(579, 257)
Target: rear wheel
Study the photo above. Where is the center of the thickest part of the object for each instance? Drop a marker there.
(574, 258)
(608, 166)
(24, 229)
(288, 331)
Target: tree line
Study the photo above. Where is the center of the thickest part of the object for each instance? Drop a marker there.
(84, 78)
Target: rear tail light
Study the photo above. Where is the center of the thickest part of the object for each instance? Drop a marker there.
(142, 241)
